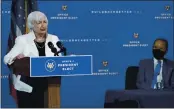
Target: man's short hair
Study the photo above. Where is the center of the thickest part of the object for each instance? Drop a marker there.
(164, 40)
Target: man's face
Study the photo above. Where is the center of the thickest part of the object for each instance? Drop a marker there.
(160, 45)
(40, 26)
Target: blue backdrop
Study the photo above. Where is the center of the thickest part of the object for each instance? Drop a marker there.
(118, 33)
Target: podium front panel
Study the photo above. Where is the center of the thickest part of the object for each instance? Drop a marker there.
(61, 66)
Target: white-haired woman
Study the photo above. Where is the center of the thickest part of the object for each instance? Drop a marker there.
(35, 43)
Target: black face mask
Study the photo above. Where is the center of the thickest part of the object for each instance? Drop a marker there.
(158, 54)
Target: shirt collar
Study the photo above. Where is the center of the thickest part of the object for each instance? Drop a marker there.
(156, 61)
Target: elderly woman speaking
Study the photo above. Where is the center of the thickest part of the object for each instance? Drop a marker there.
(33, 44)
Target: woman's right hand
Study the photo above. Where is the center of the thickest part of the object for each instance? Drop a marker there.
(20, 56)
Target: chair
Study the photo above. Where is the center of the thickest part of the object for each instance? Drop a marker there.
(130, 83)
(131, 77)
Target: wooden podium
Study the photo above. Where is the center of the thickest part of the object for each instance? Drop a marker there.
(52, 95)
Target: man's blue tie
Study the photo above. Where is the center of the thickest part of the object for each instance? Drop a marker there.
(156, 73)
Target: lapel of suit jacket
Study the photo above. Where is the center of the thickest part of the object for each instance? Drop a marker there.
(151, 70)
(47, 49)
(34, 48)
(164, 69)
(31, 38)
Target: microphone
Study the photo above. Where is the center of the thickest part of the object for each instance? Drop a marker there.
(62, 49)
(53, 49)
(50, 45)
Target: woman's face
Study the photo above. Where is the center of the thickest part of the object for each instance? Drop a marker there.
(40, 26)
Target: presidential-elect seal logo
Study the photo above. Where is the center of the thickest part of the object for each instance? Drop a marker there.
(105, 63)
(64, 7)
(50, 65)
(167, 7)
(136, 35)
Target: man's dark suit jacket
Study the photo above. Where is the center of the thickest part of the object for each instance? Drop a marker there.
(146, 72)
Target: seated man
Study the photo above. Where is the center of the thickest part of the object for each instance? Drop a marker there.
(157, 72)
